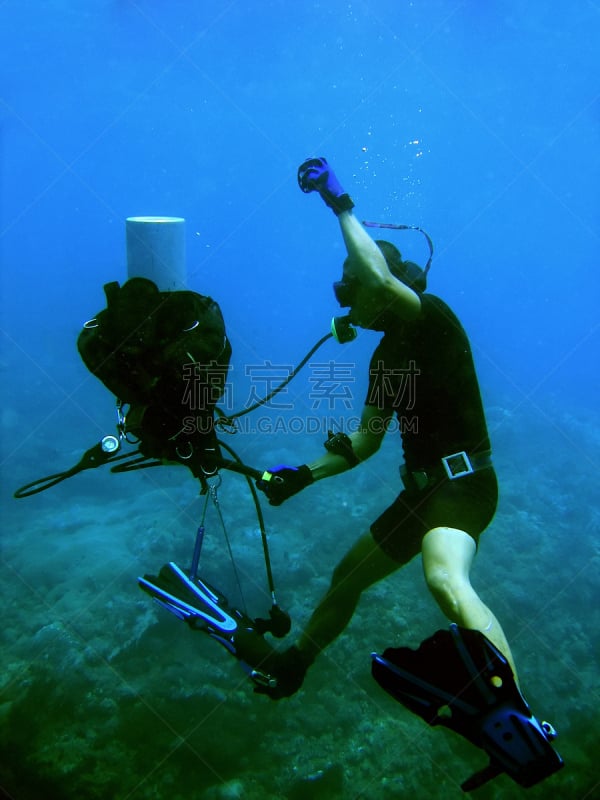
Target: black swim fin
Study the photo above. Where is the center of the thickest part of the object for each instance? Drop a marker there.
(458, 679)
(206, 609)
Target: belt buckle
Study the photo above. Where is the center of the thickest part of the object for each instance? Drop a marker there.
(457, 465)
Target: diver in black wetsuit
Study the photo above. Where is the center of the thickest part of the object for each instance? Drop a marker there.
(422, 372)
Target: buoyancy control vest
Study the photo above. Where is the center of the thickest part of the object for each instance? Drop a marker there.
(166, 356)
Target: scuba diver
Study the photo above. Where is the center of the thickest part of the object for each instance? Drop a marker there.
(422, 372)
(422, 369)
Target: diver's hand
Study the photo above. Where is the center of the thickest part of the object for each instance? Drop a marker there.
(281, 482)
(315, 175)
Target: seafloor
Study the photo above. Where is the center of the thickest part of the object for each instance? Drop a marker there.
(105, 695)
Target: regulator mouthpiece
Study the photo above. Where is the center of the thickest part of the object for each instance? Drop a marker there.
(342, 330)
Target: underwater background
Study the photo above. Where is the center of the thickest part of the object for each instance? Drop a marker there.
(478, 121)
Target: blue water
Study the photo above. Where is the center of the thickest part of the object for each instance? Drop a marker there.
(477, 121)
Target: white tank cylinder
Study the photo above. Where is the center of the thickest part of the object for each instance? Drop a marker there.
(156, 250)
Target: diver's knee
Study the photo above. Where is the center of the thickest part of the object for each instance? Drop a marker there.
(438, 582)
(446, 590)
(341, 577)
(340, 573)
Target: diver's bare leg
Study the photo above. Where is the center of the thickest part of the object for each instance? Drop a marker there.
(363, 565)
(447, 558)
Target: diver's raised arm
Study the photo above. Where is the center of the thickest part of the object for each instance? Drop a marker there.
(366, 263)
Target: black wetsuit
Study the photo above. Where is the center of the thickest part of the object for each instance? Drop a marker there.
(423, 371)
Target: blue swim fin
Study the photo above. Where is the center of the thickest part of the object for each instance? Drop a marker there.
(458, 679)
(206, 609)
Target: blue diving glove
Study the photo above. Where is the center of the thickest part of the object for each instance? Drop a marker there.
(281, 482)
(315, 175)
